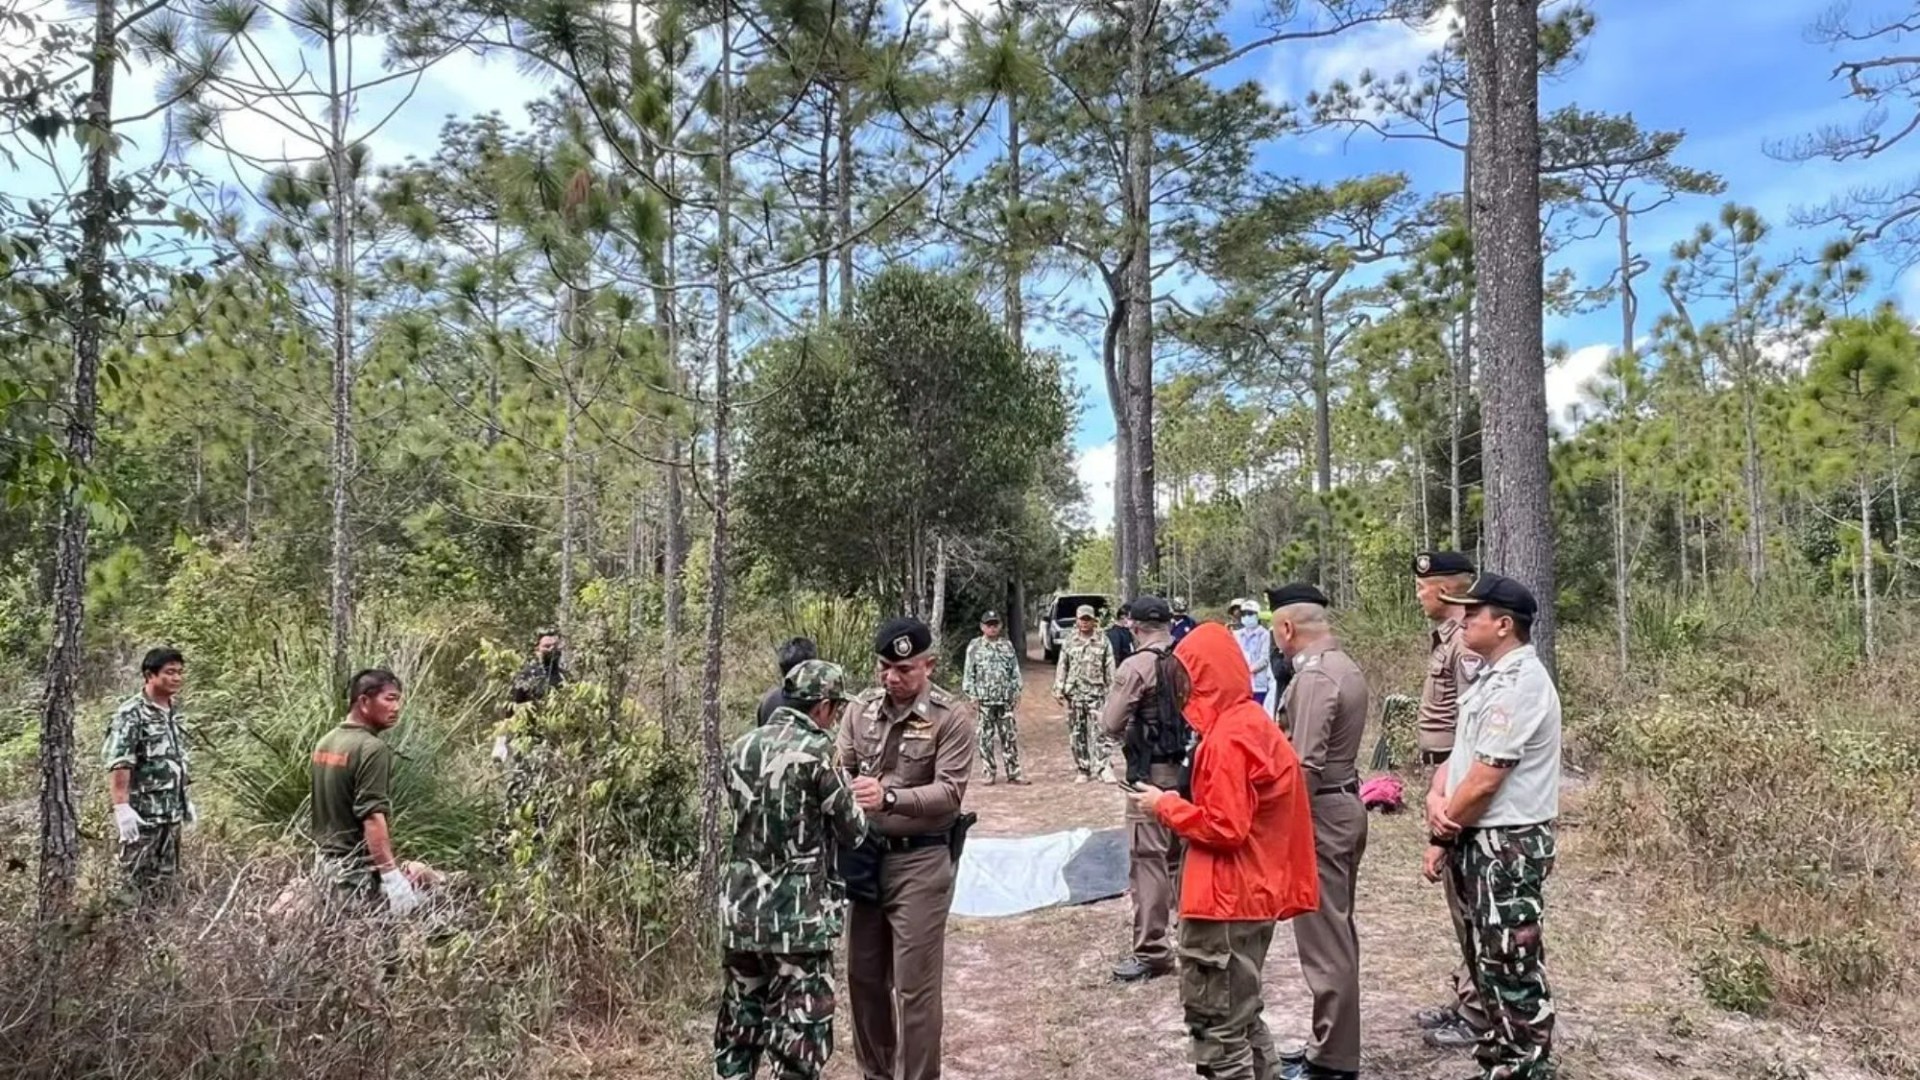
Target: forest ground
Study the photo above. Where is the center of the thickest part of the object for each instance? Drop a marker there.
(1031, 996)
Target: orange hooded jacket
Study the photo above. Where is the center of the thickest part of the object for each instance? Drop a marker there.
(1249, 830)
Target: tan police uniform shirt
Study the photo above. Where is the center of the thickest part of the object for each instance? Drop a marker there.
(1325, 713)
(923, 753)
(1450, 667)
(1136, 676)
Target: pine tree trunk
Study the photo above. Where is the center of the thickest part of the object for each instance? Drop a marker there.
(1015, 261)
(1866, 565)
(1322, 430)
(1462, 381)
(937, 609)
(1622, 582)
(1680, 541)
(59, 810)
(667, 326)
(569, 490)
(1756, 536)
(340, 563)
(712, 843)
(829, 200)
(1139, 285)
(1113, 366)
(1503, 50)
(844, 196)
(1898, 577)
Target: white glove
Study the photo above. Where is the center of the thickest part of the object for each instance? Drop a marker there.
(501, 750)
(128, 822)
(401, 897)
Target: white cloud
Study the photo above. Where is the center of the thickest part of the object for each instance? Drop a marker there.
(1385, 49)
(1095, 467)
(1567, 381)
(1907, 295)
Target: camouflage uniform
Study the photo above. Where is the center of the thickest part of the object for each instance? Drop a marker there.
(780, 902)
(992, 678)
(148, 741)
(1503, 872)
(1084, 674)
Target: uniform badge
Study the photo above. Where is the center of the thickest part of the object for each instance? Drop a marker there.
(1423, 564)
(902, 646)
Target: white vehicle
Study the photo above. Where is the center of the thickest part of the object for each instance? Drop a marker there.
(1056, 619)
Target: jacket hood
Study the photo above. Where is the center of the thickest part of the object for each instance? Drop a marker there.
(1214, 662)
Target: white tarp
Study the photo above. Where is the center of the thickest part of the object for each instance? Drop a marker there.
(1010, 875)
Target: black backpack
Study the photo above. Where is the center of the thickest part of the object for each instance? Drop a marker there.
(1161, 733)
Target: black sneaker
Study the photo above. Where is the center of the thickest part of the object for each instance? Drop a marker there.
(1435, 1016)
(1134, 969)
(1458, 1035)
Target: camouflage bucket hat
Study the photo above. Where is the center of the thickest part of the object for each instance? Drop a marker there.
(815, 681)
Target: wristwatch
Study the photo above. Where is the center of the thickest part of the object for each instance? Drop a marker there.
(888, 799)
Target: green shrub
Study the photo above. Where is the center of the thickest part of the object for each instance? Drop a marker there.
(1735, 977)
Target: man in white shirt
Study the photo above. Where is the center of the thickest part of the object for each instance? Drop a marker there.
(1496, 835)
(1256, 644)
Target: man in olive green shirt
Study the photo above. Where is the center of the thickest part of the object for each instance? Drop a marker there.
(352, 774)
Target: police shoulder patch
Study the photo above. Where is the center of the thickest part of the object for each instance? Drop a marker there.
(943, 698)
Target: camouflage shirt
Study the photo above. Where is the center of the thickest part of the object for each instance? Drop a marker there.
(992, 675)
(534, 679)
(1086, 668)
(147, 740)
(780, 893)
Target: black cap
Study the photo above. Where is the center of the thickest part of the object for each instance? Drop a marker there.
(1150, 609)
(1296, 593)
(1494, 590)
(991, 618)
(1441, 564)
(902, 639)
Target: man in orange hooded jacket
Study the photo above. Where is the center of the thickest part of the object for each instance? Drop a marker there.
(1250, 857)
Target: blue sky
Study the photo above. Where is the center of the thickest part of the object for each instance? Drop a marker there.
(1732, 75)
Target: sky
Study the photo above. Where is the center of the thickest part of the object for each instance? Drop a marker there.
(1731, 75)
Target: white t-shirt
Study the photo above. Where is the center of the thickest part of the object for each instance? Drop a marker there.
(1510, 717)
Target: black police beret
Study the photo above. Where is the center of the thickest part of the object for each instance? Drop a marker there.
(1296, 593)
(1493, 590)
(1441, 564)
(902, 639)
(1150, 609)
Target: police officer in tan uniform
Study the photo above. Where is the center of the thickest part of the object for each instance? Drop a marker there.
(1450, 666)
(1153, 851)
(1324, 714)
(910, 745)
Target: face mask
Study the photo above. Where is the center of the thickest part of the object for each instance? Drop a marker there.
(1249, 621)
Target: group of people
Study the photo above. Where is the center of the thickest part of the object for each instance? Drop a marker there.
(1243, 811)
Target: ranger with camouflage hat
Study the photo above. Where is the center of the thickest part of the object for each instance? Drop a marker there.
(992, 678)
(146, 758)
(780, 902)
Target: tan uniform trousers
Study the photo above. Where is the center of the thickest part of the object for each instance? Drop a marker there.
(1154, 854)
(1466, 990)
(1327, 940)
(896, 959)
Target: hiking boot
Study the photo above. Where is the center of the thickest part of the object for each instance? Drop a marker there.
(1458, 1035)
(1434, 1016)
(990, 780)
(1134, 969)
(1316, 1072)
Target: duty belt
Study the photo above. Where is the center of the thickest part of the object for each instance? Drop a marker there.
(908, 843)
(1338, 789)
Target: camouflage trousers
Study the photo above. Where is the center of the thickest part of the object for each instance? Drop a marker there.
(151, 862)
(775, 1005)
(1500, 874)
(1220, 965)
(999, 731)
(1089, 745)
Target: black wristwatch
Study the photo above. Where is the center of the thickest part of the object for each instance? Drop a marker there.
(888, 799)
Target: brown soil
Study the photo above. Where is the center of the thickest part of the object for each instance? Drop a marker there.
(1030, 996)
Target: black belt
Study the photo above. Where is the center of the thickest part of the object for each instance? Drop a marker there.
(1337, 789)
(908, 843)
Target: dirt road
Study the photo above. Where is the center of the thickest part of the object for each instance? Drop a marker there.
(1031, 997)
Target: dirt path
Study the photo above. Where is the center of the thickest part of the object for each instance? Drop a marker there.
(1030, 996)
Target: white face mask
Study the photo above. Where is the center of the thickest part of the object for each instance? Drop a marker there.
(1249, 621)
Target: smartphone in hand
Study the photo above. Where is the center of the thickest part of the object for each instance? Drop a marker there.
(1127, 785)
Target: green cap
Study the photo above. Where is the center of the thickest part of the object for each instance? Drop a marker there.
(815, 681)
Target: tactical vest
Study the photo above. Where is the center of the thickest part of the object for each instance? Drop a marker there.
(1157, 732)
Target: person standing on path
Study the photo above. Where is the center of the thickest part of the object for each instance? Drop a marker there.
(1182, 623)
(1496, 834)
(147, 766)
(352, 777)
(1249, 858)
(1256, 648)
(1120, 634)
(1081, 682)
(1458, 1023)
(911, 745)
(792, 653)
(1324, 716)
(1141, 709)
(991, 677)
(780, 904)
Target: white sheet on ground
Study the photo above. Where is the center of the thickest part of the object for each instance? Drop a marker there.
(1002, 875)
